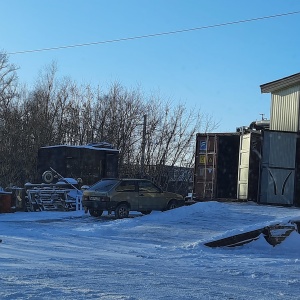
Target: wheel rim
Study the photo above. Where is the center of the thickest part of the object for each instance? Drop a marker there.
(173, 205)
(123, 212)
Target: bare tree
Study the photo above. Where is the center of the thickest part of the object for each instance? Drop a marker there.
(8, 82)
(58, 111)
(170, 140)
(8, 117)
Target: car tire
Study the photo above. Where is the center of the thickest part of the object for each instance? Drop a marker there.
(146, 212)
(172, 204)
(122, 211)
(96, 213)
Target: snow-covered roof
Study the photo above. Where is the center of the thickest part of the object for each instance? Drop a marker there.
(89, 146)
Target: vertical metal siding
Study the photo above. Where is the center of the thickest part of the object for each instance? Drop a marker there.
(285, 110)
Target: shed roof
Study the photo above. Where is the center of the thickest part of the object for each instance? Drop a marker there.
(90, 147)
(280, 83)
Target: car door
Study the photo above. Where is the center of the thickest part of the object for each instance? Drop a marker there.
(127, 191)
(150, 196)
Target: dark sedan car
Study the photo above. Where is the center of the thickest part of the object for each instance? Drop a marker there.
(123, 195)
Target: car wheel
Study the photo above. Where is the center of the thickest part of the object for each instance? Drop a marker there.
(172, 204)
(96, 213)
(122, 211)
(146, 212)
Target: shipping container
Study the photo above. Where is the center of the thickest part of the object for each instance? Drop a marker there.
(90, 163)
(249, 166)
(278, 168)
(216, 166)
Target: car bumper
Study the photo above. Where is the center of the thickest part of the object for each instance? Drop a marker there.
(101, 205)
(180, 202)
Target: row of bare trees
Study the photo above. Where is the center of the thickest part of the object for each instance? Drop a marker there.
(59, 111)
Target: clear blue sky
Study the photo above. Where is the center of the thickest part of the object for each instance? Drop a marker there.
(218, 70)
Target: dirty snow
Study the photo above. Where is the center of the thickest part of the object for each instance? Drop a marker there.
(71, 255)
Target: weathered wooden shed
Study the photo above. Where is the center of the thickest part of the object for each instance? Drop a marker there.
(88, 162)
(280, 176)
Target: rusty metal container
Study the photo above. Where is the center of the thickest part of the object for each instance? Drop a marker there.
(216, 166)
(5, 202)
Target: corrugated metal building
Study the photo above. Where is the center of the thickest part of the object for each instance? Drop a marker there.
(285, 97)
(280, 156)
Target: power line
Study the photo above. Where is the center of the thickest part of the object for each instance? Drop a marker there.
(154, 34)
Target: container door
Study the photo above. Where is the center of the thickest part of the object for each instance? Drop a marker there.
(205, 165)
(243, 168)
(277, 186)
(278, 168)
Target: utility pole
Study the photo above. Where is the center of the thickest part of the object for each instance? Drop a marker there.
(143, 147)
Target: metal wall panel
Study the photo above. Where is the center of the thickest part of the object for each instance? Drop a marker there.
(277, 186)
(279, 149)
(297, 175)
(278, 168)
(285, 110)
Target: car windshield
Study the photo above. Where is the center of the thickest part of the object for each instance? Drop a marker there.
(104, 185)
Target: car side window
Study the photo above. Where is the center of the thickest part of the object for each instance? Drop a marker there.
(126, 186)
(148, 187)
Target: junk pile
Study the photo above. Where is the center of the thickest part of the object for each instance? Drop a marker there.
(64, 195)
(61, 196)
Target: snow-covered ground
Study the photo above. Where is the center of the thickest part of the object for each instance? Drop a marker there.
(70, 255)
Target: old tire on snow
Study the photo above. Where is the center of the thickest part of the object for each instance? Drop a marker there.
(48, 176)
